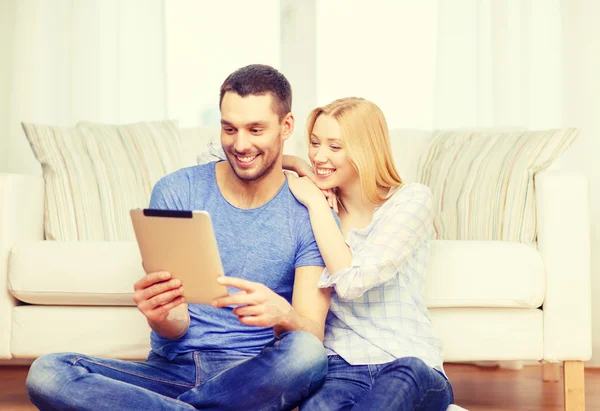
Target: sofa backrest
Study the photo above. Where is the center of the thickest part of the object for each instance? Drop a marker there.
(195, 141)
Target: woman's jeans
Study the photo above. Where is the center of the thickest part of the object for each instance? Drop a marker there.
(406, 384)
(286, 371)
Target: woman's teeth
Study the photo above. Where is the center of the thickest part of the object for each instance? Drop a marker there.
(324, 172)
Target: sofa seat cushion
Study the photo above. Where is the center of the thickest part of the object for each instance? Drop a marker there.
(75, 273)
(110, 332)
(484, 274)
(459, 274)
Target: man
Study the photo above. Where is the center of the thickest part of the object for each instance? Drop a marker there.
(258, 348)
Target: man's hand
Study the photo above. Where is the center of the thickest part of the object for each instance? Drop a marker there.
(157, 294)
(257, 304)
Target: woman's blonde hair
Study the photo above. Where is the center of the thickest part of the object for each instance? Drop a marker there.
(366, 140)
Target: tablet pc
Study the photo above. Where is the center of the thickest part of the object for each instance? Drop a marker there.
(182, 243)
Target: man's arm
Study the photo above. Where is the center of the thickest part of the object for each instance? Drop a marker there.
(310, 304)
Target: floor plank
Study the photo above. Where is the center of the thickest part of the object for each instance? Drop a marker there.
(475, 388)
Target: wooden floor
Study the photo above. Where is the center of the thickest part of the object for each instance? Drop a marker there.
(475, 388)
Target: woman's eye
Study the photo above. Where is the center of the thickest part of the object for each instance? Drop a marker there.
(335, 147)
(314, 143)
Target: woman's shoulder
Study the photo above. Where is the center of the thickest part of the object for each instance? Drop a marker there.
(411, 192)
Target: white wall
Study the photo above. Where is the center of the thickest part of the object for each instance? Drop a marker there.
(7, 25)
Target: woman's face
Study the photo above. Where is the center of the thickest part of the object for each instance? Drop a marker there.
(328, 156)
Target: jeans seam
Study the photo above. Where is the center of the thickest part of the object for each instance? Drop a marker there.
(197, 364)
(77, 359)
(426, 393)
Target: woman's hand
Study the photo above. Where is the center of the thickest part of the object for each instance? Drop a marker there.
(305, 190)
(304, 169)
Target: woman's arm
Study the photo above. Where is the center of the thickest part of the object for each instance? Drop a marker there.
(333, 247)
(298, 165)
(404, 228)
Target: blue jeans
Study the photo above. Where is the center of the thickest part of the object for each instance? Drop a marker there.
(406, 384)
(286, 371)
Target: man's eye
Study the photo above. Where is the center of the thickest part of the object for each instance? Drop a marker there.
(256, 130)
(228, 130)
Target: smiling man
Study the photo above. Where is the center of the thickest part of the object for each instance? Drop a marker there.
(260, 348)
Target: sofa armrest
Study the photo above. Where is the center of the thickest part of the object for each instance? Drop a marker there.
(21, 219)
(563, 223)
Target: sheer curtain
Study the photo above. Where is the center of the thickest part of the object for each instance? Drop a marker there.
(97, 60)
(499, 64)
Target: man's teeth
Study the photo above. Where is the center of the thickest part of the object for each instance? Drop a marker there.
(246, 159)
(324, 172)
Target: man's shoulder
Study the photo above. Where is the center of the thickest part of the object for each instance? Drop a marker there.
(296, 209)
(187, 174)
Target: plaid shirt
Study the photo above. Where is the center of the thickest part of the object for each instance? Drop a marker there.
(377, 309)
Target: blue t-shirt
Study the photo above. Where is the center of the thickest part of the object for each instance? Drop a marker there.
(263, 244)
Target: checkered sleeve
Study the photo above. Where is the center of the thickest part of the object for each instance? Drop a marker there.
(397, 233)
(214, 152)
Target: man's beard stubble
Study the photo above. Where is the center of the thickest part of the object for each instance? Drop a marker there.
(266, 167)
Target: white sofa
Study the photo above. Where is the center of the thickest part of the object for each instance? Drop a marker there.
(488, 300)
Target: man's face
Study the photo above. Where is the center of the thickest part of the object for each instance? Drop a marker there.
(251, 134)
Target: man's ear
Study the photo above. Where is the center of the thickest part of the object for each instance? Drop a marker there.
(288, 124)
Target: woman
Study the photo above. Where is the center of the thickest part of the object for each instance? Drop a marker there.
(384, 354)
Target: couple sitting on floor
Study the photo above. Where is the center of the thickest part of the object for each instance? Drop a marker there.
(325, 310)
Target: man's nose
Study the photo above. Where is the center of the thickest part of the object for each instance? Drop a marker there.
(242, 142)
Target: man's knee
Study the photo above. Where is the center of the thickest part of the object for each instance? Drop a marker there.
(305, 354)
(42, 376)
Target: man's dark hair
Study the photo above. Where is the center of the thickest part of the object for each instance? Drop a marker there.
(260, 79)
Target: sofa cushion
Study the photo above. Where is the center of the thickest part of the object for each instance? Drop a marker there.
(94, 174)
(109, 332)
(459, 274)
(484, 274)
(483, 181)
(74, 273)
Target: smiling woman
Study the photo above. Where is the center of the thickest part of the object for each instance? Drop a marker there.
(379, 334)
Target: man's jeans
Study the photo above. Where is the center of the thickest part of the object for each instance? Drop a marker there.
(287, 370)
(406, 384)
